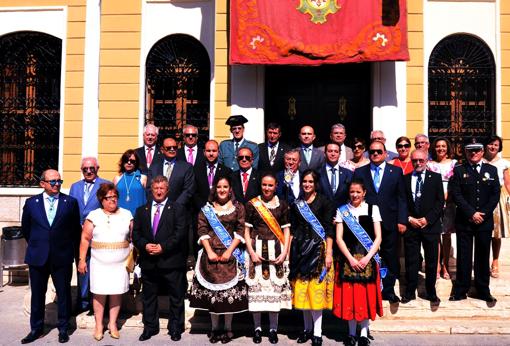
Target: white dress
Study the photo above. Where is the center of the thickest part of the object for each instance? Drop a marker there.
(108, 274)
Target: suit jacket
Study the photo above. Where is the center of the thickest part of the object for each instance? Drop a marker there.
(228, 156)
(201, 171)
(278, 165)
(283, 190)
(341, 195)
(348, 152)
(183, 156)
(317, 160)
(78, 190)
(171, 235)
(253, 189)
(57, 243)
(182, 181)
(472, 191)
(431, 201)
(157, 156)
(391, 198)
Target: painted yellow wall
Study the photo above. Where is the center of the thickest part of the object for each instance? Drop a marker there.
(221, 72)
(505, 75)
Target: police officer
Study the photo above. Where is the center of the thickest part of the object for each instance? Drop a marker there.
(475, 190)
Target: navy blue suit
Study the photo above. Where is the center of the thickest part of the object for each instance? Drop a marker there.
(392, 203)
(181, 185)
(283, 190)
(51, 251)
(341, 195)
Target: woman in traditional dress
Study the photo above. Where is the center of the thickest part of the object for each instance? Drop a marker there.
(130, 182)
(358, 152)
(218, 285)
(357, 294)
(107, 230)
(267, 238)
(443, 163)
(311, 257)
(403, 160)
(501, 213)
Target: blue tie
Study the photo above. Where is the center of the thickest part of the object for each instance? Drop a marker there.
(51, 210)
(333, 180)
(377, 179)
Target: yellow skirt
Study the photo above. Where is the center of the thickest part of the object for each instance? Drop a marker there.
(312, 295)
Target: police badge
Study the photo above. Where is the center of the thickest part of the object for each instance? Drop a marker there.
(318, 9)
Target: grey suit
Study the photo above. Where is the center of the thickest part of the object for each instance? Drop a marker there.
(317, 160)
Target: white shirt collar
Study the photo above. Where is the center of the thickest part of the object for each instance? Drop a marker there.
(162, 203)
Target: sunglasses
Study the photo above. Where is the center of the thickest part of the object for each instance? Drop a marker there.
(193, 135)
(375, 151)
(131, 161)
(171, 148)
(89, 169)
(418, 160)
(54, 182)
(244, 157)
(359, 146)
(111, 198)
(400, 146)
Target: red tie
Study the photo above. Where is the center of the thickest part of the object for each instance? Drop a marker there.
(245, 182)
(149, 156)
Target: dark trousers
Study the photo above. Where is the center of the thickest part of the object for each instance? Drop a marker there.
(61, 276)
(390, 257)
(174, 282)
(465, 263)
(413, 239)
(83, 297)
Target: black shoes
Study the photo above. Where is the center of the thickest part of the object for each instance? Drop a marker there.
(489, 298)
(257, 336)
(350, 340)
(304, 337)
(63, 337)
(227, 337)
(175, 336)
(316, 340)
(392, 298)
(146, 335)
(457, 297)
(434, 300)
(32, 336)
(363, 341)
(216, 336)
(273, 337)
(407, 298)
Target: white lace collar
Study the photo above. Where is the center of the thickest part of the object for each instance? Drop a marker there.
(273, 204)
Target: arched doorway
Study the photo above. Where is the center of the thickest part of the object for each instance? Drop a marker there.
(462, 84)
(178, 76)
(30, 70)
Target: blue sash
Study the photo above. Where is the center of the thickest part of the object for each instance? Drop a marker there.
(361, 235)
(221, 232)
(310, 217)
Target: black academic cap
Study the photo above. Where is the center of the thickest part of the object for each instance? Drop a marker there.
(235, 120)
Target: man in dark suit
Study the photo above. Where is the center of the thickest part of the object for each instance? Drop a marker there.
(84, 191)
(159, 230)
(425, 202)
(385, 188)
(51, 227)
(289, 183)
(229, 148)
(191, 152)
(378, 135)
(475, 190)
(311, 158)
(245, 181)
(149, 152)
(334, 180)
(181, 180)
(271, 152)
(338, 135)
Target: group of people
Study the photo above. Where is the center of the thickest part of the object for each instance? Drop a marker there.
(271, 227)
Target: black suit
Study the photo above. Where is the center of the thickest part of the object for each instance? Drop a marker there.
(430, 206)
(264, 163)
(201, 172)
(253, 189)
(181, 185)
(156, 157)
(182, 155)
(168, 268)
(474, 192)
(284, 191)
(344, 177)
(391, 200)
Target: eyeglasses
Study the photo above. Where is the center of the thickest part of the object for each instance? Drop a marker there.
(91, 169)
(359, 146)
(171, 148)
(131, 161)
(244, 157)
(400, 146)
(111, 198)
(418, 160)
(193, 135)
(375, 151)
(54, 182)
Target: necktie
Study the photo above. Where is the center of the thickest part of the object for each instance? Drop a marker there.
(210, 176)
(417, 192)
(476, 167)
(86, 192)
(169, 169)
(149, 156)
(272, 155)
(333, 180)
(377, 178)
(245, 182)
(51, 210)
(190, 155)
(155, 221)
(308, 155)
(236, 147)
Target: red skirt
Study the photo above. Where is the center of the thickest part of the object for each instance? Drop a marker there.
(357, 300)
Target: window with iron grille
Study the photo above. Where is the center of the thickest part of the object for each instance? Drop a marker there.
(462, 82)
(30, 70)
(178, 77)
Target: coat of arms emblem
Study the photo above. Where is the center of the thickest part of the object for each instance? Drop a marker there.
(318, 9)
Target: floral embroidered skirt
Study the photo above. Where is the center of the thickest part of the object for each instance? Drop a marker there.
(230, 300)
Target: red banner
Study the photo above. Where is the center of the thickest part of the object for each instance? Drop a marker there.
(315, 32)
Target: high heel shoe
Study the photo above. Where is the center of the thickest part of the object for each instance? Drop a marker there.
(98, 336)
(494, 272)
(115, 334)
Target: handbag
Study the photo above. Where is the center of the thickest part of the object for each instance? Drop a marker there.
(131, 260)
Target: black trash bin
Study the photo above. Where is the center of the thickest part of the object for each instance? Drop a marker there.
(13, 246)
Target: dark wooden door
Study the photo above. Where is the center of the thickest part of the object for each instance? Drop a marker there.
(319, 96)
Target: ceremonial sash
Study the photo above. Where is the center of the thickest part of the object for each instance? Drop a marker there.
(362, 236)
(221, 232)
(310, 217)
(268, 218)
